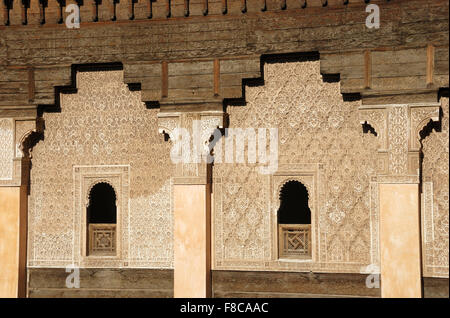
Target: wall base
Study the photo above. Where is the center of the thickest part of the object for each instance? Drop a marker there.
(101, 282)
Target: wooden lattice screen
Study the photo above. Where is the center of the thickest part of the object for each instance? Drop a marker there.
(294, 240)
(102, 239)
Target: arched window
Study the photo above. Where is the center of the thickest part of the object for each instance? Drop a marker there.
(294, 221)
(101, 220)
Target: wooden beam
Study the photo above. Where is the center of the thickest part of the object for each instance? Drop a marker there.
(5, 12)
(243, 6)
(205, 7)
(94, 11)
(367, 69)
(31, 84)
(24, 12)
(186, 8)
(165, 79)
(224, 6)
(168, 11)
(60, 11)
(430, 64)
(150, 9)
(112, 10)
(216, 77)
(41, 12)
(131, 9)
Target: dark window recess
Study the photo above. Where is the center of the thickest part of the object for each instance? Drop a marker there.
(102, 205)
(294, 207)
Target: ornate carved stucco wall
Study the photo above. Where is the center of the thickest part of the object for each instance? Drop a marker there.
(6, 147)
(435, 194)
(322, 144)
(101, 129)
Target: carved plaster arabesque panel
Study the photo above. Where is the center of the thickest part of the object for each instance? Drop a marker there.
(104, 124)
(10, 158)
(6, 148)
(435, 197)
(315, 125)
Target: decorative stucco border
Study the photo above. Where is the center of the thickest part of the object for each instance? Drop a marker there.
(84, 177)
(307, 175)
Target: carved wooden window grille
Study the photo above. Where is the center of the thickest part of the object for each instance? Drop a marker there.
(294, 221)
(102, 239)
(295, 240)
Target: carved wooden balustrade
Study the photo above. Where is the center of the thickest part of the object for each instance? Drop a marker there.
(102, 239)
(294, 240)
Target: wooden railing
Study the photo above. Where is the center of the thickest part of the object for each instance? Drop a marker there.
(102, 239)
(294, 240)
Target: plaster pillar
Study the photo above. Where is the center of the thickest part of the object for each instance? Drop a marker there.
(399, 129)
(192, 240)
(191, 193)
(14, 199)
(13, 237)
(400, 244)
(9, 247)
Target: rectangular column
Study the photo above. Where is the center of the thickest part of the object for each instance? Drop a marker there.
(192, 240)
(400, 253)
(10, 243)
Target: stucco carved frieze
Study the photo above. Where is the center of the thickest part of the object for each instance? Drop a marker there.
(18, 135)
(199, 126)
(398, 128)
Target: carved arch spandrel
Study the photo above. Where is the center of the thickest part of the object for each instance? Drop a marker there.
(399, 128)
(377, 118)
(420, 117)
(31, 137)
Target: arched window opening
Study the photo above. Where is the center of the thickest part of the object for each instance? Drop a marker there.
(294, 221)
(101, 220)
